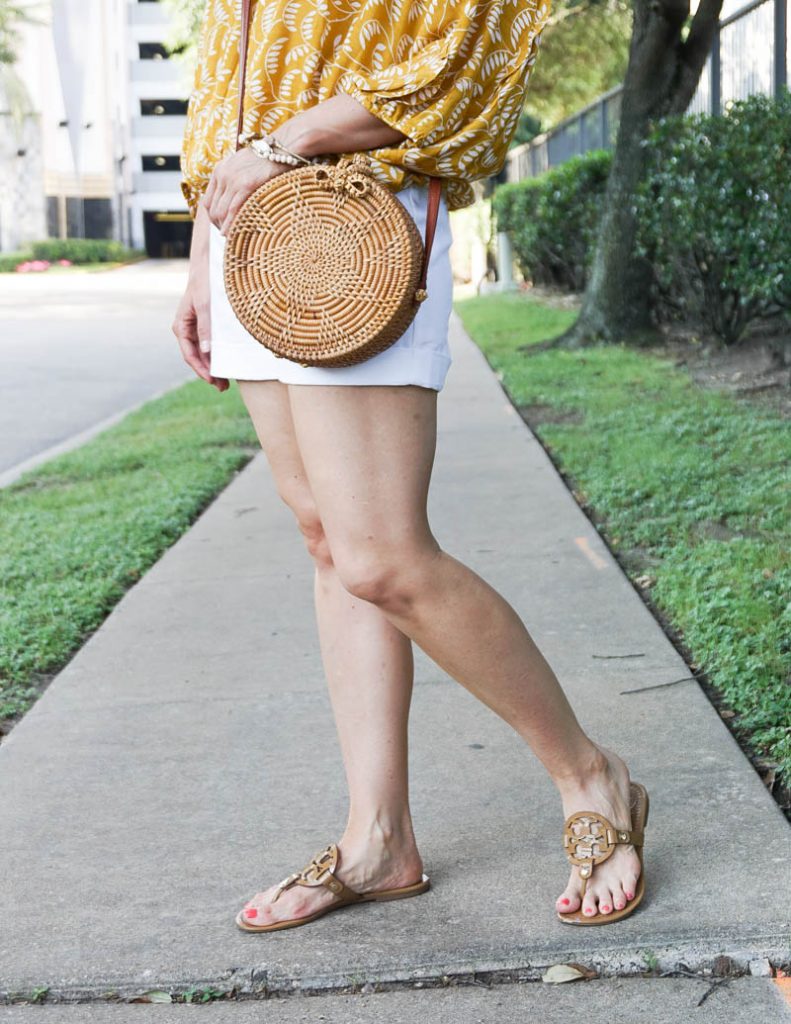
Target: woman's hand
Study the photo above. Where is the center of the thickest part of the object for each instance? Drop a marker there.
(233, 180)
(192, 323)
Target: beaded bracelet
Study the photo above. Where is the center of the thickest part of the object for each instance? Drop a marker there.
(270, 148)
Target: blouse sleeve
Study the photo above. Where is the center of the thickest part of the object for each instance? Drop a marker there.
(457, 97)
(204, 137)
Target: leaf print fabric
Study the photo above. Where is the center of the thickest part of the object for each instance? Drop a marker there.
(451, 77)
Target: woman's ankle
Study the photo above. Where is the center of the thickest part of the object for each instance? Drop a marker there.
(593, 765)
(380, 831)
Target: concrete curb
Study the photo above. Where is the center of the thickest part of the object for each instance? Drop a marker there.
(694, 957)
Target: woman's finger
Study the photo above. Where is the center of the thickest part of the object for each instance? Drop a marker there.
(193, 358)
(185, 327)
(208, 195)
(203, 313)
(233, 208)
(219, 207)
(199, 362)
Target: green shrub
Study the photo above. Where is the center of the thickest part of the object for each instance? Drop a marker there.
(82, 250)
(714, 212)
(9, 261)
(552, 219)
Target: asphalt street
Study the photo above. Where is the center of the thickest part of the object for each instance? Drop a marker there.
(79, 348)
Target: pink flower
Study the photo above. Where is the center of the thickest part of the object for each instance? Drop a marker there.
(64, 263)
(32, 265)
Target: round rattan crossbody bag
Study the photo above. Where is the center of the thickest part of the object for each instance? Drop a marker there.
(322, 264)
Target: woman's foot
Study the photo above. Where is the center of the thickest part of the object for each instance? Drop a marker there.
(614, 882)
(377, 862)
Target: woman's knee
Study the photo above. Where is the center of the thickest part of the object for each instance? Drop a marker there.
(389, 575)
(310, 526)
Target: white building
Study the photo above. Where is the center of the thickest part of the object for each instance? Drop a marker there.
(94, 149)
(158, 89)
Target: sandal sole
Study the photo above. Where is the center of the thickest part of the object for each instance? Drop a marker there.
(640, 802)
(382, 896)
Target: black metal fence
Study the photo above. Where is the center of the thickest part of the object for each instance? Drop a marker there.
(750, 54)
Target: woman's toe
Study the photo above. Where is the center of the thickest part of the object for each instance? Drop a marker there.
(606, 903)
(629, 886)
(618, 898)
(568, 901)
(589, 904)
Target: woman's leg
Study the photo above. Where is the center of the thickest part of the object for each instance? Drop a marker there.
(369, 667)
(368, 454)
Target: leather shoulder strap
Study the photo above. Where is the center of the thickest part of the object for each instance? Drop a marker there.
(435, 185)
(434, 193)
(244, 45)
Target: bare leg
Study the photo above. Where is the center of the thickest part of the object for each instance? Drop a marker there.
(369, 667)
(368, 454)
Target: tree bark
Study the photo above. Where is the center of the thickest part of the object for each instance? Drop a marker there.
(661, 79)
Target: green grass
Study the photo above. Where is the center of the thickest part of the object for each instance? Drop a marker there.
(76, 533)
(690, 486)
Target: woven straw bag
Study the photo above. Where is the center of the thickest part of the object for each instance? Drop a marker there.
(322, 264)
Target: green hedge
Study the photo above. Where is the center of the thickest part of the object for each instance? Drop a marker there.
(82, 250)
(713, 215)
(552, 219)
(9, 261)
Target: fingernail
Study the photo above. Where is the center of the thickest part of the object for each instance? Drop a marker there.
(205, 344)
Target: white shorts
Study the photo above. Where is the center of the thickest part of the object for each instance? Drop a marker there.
(420, 356)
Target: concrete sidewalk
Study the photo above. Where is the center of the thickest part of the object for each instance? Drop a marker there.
(605, 1001)
(187, 758)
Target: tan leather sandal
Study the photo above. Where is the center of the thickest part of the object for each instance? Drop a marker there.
(597, 844)
(321, 871)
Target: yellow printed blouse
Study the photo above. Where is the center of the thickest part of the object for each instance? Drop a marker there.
(450, 76)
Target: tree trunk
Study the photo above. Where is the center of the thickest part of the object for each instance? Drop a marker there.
(661, 78)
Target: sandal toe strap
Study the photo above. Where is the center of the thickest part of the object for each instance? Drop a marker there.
(597, 840)
(320, 871)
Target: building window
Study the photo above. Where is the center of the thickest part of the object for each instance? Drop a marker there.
(153, 51)
(87, 218)
(156, 108)
(98, 214)
(53, 217)
(161, 163)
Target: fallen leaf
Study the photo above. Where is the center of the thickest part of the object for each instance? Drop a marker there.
(587, 971)
(152, 997)
(559, 973)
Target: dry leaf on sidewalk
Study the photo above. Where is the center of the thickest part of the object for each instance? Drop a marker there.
(558, 973)
(153, 997)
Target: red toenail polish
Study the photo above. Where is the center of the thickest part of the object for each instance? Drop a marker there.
(628, 895)
(588, 910)
(251, 913)
(606, 910)
(564, 900)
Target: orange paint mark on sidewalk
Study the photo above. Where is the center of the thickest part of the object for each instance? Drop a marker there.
(783, 982)
(596, 560)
